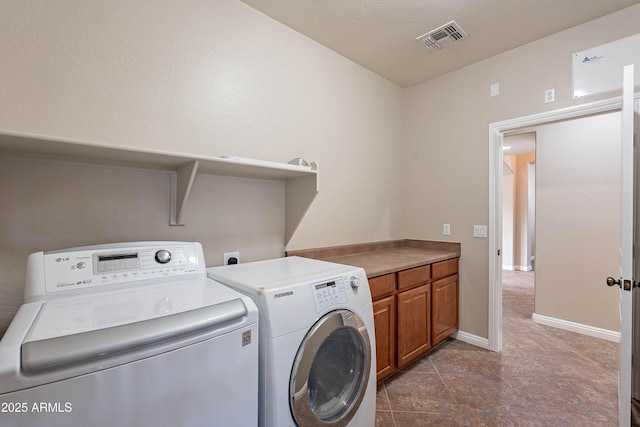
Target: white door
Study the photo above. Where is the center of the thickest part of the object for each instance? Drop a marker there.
(626, 281)
(634, 313)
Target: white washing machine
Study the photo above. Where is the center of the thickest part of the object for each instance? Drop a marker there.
(317, 341)
(130, 334)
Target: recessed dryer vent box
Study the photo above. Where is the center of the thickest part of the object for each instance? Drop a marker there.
(599, 69)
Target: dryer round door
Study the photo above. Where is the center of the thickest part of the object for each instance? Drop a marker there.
(331, 371)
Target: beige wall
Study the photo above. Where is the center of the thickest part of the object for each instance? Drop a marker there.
(578, 220)
(212, 78)
(55, 205)
(446, 151)
(202, 77)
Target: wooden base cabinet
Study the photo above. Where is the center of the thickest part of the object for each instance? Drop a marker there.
(444, 308)
(413, 310)
(384, 318)
(414, 323)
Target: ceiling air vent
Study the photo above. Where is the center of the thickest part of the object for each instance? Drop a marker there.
(443, 36)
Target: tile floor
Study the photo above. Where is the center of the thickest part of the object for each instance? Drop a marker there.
(543, 377)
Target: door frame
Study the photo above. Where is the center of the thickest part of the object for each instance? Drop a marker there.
(496, 135)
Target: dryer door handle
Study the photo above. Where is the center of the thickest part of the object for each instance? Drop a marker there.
(102, 343)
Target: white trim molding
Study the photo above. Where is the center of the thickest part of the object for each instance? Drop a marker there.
(472, 339)
(517, 267)
(580, 328)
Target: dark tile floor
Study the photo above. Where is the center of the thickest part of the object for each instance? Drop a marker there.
(543, 377)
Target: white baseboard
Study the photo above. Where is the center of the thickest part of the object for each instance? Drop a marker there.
(472, 339)
(576, 327)
(517, 267)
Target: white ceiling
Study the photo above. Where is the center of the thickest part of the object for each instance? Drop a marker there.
(381, 34)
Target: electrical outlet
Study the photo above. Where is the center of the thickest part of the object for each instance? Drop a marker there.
(446, 229)
(229, 257)
(549, 96)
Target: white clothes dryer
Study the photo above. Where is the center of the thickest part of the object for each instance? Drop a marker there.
(317, 341)
(130, 334)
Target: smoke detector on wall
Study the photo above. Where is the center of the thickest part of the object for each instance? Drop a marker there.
(443, 36)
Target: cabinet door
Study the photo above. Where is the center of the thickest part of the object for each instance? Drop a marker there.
(384, 317)
(444, 308)
(414, 318)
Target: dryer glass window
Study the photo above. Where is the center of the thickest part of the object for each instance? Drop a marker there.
(336, 374)
(331, 370)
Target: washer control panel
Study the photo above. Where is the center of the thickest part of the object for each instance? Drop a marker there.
(95, 266)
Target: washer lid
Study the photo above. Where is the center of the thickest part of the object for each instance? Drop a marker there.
(93, 329)
(73, 315)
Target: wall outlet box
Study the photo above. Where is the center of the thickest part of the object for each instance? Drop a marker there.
(494, 89)
(480, 231)
(446, 229)
(549, 96)
(229, 258)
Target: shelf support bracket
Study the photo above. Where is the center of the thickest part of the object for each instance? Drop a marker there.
(299, 194)
(181, 184)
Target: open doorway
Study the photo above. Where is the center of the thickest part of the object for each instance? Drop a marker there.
(518, 224)
(518, 202)
(568, 310)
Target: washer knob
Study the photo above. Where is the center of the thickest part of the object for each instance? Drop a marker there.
(163, 256)
(354, 282)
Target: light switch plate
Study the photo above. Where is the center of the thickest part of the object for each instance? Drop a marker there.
(494, 89)
(446, 229)
(480, 231)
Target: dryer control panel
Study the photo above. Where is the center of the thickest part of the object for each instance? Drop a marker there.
(92, 266)
(340, 290)
(329, 293)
